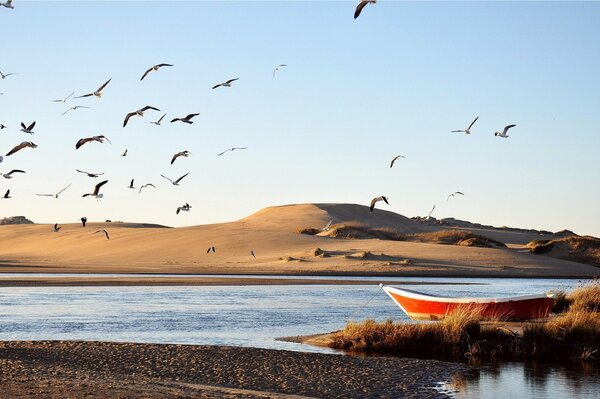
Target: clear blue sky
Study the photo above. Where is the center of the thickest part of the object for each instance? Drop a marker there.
(355, 94)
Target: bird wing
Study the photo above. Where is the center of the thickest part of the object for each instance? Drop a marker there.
(359, 8)
(178, 210)
(81, 142)
(64, 189)
(17, 148)
(15, 171)
(229, 149)
(181, 178)
(104, 85)
(104, 138)
(175, 120)
(431, 211)
(175, 157)
(161, 118)
(7, 193)
(31, 126)
(231, 80)
(63, 114)
(85, 95)
(394, 160)
(131, 184)
(457, 131)
(129, 115)
(147, 107)
(163, 65)
(373, 202)
(458, 192)
(385, 199)
(81, 171)
(97, 188)
(45, 195)
(146, 73)
(506, 128)
(472, 123)
(215, 86)
(190, 116)
(167, 178)
(23, 125)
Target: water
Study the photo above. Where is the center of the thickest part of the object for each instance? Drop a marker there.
(256, 315)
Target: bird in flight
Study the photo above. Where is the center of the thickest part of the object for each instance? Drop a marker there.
(153, 69)
(90, 174)
(2, 75)
(24, 144)
(54, 195)
(2, 126)
(99, 139)
(125, 153)
(57, 227)
(76, 107)
(27, 129)
(454, 194)
(97, 93)
(184, 208)
(146, 185)
(468, 129)
(176, 182)
(103, 231)
(63, 100)
(8, 4)
(185, 154)
(227, 83)
(504, 133)
(211, 249)
(376, 200)
(9, 174)
(362, 5)
(277, 68)
(395, 158)
(96, 193)
(139, 112)
(131, 184)
(6, 195)
(253, 254)
(83, 221)
(187, 119)
(157, 123)
(232, 149)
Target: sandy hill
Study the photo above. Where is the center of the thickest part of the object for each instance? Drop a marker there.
(272, 234)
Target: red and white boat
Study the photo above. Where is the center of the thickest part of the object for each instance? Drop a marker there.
(419, 306)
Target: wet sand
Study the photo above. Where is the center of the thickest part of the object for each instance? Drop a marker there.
(49, 369)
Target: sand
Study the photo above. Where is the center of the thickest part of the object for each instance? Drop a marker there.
(59, 369)
(279, 248)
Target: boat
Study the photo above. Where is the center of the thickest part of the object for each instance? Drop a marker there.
(420, 306)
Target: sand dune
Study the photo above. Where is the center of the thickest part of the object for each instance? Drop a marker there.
(272, 234)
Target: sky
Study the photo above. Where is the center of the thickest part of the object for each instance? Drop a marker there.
(355, 94)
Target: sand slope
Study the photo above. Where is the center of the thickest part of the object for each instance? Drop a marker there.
(272, 234)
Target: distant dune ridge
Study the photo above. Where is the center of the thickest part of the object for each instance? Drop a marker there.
(272, 234)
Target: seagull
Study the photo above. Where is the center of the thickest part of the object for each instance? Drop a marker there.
(395, 158)
(226, 83)
(57, 227)
(139, 112)
(184, 208)
(362, 5)
(6, 195)
(2, 126)
(27, 129)
(453, 194)
(99, 139)
(232, 149)
(176, 182)
(2, 75)
(96, 192)
(376, 200)
(64, 100)
(277, 68)
(153, 69)
(211, 249)
(467, 130)
(146, 185)
(105, 233)
(83, 221)
(54, 195)
(21, 146)
(253, 254)
(157, 123)
(8, 4)
(9, 174)
(94, 175)
(185, 153)
(74, 108)
(131, 185)
(187, 119)
(504, 132)
(430, 212)
(97, 93)
(125, 153)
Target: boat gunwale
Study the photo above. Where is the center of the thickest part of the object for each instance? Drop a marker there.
(433, 298)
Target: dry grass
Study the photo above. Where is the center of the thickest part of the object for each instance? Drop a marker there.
(583, 249)
(583, 298)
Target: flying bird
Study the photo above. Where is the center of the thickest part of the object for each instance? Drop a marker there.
(187, 119)
(146, 185)
(9, 174)
(54, 195)
(362, 5)
(8, 4)
(97, 93)
(125, 153)
(24, 144)
(153, 69)
(57, 227)
(96, 193)
(453, 194)
(63, 100)
(176, 182)
(90, 174)
(376, 200)
(76, 107)
(103, 231)
(184, 208)
(504, 133)
(83, 221)
(2, 126)
(185, 154)
(27, 129)
(211, 249)
(253, 254)
(226, 83)
(5, 75)
(139, 112)
(232, 149)
(468, 129)
(277, 68)
(6, 195)
(131, 185)
(99, 139)
(157, 123)
(395, 158)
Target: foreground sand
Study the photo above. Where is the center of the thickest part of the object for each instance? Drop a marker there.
(272, 235)
(50, 369)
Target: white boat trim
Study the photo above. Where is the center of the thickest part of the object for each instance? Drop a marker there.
(434, 298)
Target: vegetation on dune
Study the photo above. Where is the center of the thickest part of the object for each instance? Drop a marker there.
(583, 249)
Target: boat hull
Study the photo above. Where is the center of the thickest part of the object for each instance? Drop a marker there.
(420, 306)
